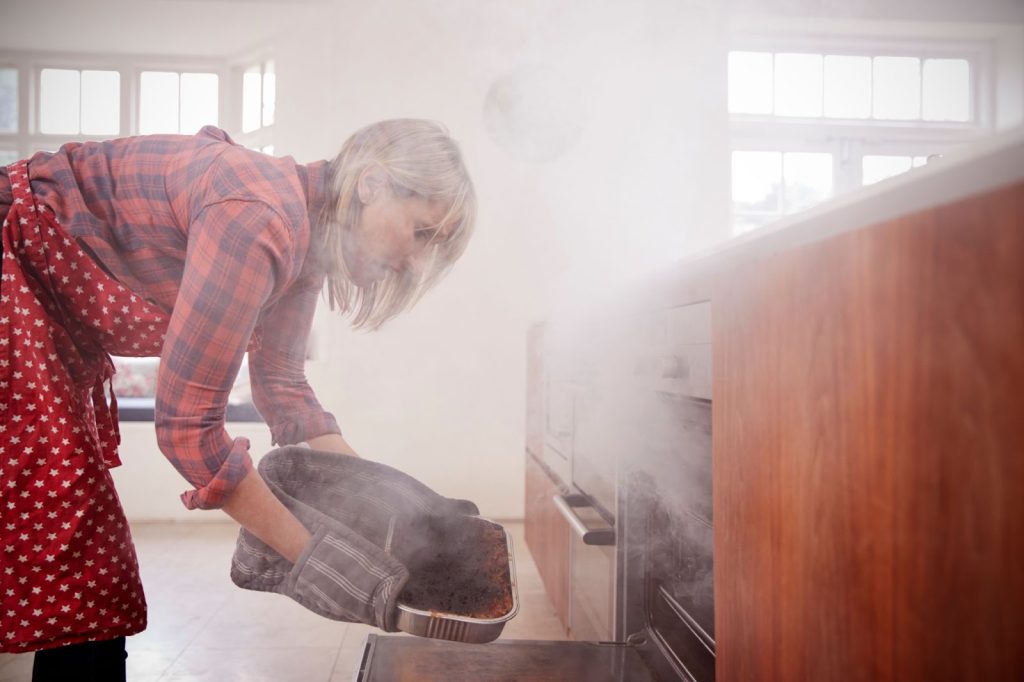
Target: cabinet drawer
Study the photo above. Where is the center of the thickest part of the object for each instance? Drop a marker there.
(547, 536)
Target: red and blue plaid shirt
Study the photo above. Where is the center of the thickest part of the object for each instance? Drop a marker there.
(220, 237)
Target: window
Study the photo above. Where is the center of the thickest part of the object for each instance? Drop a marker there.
(8, 100)
(44, 104)
(766, 185)
(875, 168)
(173, 102)
(8, 114)
(848, 86)
(134, 385)
(259, 94)
(73, 102)
(808, 124)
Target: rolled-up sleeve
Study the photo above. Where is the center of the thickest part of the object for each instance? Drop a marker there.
(277, 374)
(237, 251)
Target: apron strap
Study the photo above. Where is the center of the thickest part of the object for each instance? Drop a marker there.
(106, 415)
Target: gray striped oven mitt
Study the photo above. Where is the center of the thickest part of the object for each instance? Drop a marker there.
(351, 506)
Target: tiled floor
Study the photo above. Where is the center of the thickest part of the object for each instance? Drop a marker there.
(202, 627)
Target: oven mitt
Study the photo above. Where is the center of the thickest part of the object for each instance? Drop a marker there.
(351, 507)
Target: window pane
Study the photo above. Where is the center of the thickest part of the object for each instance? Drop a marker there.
(947, 90)
(756, 181)
(252, 98)
(269, 93)
(847, 86)
(747, 223)
(8, 156)
(199, 95)
(897, 87)
(101, 102)
(158, 107)
(750, 82)
(877, 168)
(798, 85)
(808, 179)
(8, 101)
(59, 101)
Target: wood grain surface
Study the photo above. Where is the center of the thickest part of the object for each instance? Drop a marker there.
(869, 453)
(547, 536)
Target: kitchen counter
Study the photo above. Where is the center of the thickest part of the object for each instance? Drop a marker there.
(865, 364)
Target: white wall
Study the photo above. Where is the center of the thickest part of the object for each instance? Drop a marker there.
(148, 485)
(440, 392)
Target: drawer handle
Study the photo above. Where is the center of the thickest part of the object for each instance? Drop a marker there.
(598, 536)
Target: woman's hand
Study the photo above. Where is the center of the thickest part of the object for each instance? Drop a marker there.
(257, 509)
(354, 508)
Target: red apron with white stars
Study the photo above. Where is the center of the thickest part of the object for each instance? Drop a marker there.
(69, 569)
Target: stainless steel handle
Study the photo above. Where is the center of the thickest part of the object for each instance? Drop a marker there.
(595, 536)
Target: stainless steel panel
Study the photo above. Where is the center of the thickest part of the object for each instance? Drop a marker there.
(592, 591)
(559, 414)
(397, 658)
(601, 432)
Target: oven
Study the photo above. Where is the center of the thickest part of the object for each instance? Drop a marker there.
(591, 510)
(627, 428)
(559, 412)
(668, 531)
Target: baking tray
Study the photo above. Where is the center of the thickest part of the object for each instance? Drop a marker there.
(456, 628)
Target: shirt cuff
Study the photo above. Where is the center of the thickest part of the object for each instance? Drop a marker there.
(235, 467)
(301, 426)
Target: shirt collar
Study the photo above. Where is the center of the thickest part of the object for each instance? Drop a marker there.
(313, 179)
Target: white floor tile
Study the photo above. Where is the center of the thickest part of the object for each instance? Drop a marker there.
(312, 664)
(202, 627)
(15, 667)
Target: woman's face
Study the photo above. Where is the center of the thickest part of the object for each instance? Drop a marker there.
(391, 235)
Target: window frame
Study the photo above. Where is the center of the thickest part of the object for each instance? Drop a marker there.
(849, 140)
(29, 139)
(262, 137)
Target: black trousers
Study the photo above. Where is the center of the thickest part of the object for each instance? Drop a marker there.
(86, 662)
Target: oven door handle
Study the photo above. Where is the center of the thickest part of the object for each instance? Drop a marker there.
(590, 536)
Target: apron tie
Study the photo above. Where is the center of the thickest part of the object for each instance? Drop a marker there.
(106, 415)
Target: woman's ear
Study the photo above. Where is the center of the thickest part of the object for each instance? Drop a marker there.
(372, 181)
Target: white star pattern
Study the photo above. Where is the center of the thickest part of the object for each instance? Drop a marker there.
(65, 543)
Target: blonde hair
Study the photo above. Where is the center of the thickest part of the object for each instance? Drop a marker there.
(420, 160)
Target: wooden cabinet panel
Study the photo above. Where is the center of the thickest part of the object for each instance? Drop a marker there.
(547, 535)
(869, 453)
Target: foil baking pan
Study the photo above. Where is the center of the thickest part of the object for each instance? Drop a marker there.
(456, 628)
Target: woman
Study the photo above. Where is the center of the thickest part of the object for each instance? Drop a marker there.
(196, 250)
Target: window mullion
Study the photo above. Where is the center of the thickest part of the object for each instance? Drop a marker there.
(126, 126)
(81, 90)
(180, 79)
(25, 108)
